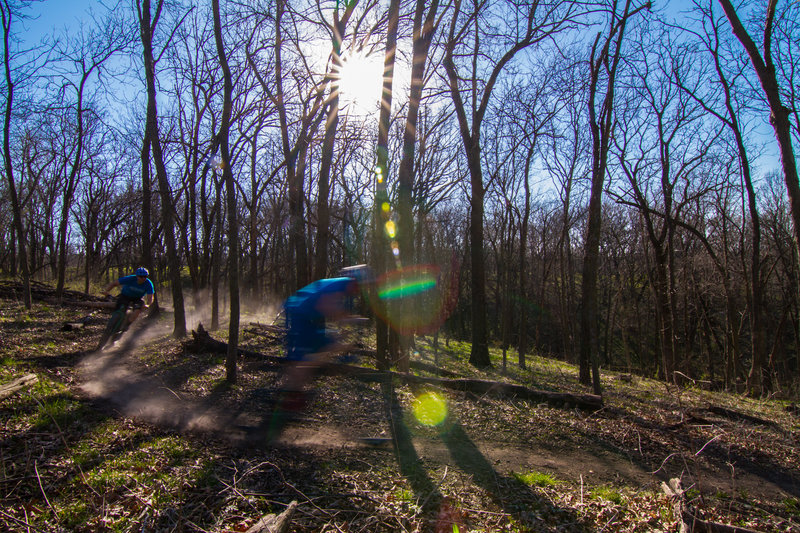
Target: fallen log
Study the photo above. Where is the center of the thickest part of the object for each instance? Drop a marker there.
(414, 365)
(271, 333)
(43, 292)
(17, 385)
(736, 415)
(274, 523)
(82, 322)
(588, 402)
(203, 342)
(100, 304)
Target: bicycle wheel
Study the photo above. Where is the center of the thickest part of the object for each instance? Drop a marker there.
(113, 326)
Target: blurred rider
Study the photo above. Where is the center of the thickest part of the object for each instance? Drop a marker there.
(310, 343)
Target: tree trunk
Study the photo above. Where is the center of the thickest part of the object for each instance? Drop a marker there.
(380, 216)
(5, 13)
(230, 193)
(331, 124)
(151, 129)
(522, 343)
(479, 355)
(601, 127)
(422, 35)
(779, 118)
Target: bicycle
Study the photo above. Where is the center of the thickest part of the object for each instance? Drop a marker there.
(115, 326)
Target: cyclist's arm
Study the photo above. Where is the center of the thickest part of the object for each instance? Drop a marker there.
(148, 300)
(110, 286)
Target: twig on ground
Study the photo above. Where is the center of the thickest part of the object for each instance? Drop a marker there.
(17, 520)
(41, 487)
(715, 437)
(667, 458)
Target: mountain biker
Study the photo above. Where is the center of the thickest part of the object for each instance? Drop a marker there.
(309, 343)
(137, 291)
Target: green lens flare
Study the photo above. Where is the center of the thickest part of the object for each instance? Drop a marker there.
(410, 287)
(430, 409)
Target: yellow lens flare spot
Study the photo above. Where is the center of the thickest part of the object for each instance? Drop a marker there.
(386, 207)
(430, 409)
(391, 229)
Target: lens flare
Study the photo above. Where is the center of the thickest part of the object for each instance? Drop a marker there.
(430, 409)
(412, 286)
(391, 229)
(415, 299)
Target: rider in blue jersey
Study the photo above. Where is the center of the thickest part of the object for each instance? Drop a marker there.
(136, 290)
(309, 342)
(308, 310)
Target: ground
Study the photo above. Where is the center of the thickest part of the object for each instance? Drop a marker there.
(148, 436)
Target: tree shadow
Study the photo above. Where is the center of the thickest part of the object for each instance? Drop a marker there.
(407, 458)
(511, 495)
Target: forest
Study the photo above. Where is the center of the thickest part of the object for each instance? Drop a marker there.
(610, 183)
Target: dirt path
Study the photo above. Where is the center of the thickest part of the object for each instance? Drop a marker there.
(115, 376)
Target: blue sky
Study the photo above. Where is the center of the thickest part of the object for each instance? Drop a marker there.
(56, 15)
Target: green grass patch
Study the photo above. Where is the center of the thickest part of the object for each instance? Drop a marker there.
(792, 506)
(535, 479)
(153, 464)
(607, 493)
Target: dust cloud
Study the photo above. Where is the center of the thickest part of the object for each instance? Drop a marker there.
(147, 391)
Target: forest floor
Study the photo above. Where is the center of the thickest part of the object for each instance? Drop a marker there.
(147, 436)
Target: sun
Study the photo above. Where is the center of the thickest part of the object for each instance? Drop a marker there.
(360, 82)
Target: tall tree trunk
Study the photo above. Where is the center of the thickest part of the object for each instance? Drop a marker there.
(147, 30)
(380, 246)
(422, 35)
(470, 122)
(147, 210)
(601, 126)
(779, 117)
(230, 192)
(253, 229)
(522, 345)
(216, 259)
(295, 157)
(21, 255)
(479, 354)
(331, 124)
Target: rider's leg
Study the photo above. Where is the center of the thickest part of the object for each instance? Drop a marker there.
(132, 316)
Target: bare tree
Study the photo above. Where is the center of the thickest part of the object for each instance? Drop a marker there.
(526, 25)
(729, 116)
(148, 22)
(603, 60)
(338, 30)
(765, 69)
(10, 11)
(380, 215)
(230, 192)
(85, 56)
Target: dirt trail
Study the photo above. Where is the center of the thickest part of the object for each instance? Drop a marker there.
(116, 377)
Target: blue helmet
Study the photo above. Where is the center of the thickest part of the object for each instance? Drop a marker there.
(142, 271)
